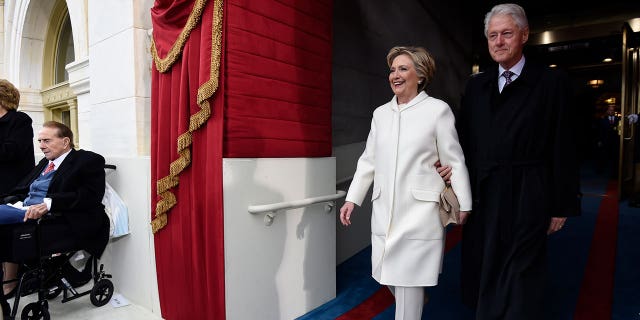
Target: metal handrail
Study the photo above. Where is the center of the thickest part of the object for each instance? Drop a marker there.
(272, 208)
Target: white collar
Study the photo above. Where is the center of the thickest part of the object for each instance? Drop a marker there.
(394, 102)
(57, 161)
(516, 69)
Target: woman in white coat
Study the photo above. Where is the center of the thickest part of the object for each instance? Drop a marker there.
(409, 134)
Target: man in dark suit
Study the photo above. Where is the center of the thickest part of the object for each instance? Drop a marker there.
(69, 183)
(515, 130)
(608, 142)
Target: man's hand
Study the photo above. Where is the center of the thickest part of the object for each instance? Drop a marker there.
(36, 211)
(443, 171)
(464, 215)
(556, 224)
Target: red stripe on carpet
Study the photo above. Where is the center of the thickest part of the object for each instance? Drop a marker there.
(371, 307)
(382, 299)
(596, 293)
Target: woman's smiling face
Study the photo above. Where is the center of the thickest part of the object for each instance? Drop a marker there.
(403, 78)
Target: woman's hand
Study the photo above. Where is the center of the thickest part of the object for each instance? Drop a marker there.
(345, 213)
(464, 215)
(443, 171)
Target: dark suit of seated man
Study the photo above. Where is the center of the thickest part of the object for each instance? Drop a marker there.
(67, 182)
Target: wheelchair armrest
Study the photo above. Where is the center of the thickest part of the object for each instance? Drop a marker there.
(52, 216)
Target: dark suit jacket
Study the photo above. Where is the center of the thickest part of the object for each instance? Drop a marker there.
(528, 129)
(608, 132)
(76, 192)
(16, 149)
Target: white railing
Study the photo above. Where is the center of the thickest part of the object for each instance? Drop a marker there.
(272, 208)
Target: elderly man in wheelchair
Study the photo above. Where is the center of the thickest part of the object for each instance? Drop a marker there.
(54, 211)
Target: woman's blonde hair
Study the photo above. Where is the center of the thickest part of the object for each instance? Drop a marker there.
(9, 95)
(423, 62)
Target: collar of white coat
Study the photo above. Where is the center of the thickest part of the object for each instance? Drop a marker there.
(417, 99)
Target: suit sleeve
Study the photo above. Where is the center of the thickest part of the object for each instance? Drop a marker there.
(566, 194)
(84, 188)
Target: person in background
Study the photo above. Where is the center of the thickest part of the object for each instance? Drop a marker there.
(16, 138)
(516, 132)
(608, 142)
(408, 135)
(16, 144)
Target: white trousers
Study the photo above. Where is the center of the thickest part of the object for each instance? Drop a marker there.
(409, 302)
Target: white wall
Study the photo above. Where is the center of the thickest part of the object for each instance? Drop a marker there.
(131, 258)
(284, 270)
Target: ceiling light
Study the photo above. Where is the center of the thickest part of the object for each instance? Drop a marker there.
(553, 65)
(595, 83)
(607, 60)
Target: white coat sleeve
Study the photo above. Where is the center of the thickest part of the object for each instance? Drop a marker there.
(450, 153)
(363, 177)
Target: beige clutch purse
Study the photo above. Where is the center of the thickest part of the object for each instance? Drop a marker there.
(449, 207)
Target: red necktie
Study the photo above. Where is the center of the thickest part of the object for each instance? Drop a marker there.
(49, 168)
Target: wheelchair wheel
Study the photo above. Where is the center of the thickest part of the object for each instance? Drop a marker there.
(35, 311)
(101, 293)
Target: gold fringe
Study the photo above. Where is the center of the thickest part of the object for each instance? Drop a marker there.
(205, 92)
(164, 64)
(158, 223)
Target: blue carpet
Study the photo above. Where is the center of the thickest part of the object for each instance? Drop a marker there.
(626, 295)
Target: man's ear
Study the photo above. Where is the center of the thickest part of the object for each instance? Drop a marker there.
(525, 35)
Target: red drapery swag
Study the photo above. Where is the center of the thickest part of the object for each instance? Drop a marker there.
(186, 157)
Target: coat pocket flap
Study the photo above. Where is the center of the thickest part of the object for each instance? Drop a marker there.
(425, 195)
(375, 194)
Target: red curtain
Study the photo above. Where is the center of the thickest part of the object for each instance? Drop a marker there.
(186, 157)
(278, 101)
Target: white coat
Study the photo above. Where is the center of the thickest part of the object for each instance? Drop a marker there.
(407, 237)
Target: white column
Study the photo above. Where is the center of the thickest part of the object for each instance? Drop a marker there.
(2, 38)
(79, 82)
(120, 76)
(119, 122)
(78, 17)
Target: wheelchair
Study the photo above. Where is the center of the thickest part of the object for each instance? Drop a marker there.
(43, 254)
(43, 250)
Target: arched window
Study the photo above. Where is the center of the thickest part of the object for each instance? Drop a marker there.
(64, 52)
(59, 101)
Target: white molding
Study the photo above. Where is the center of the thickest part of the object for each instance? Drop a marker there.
(79, 79)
